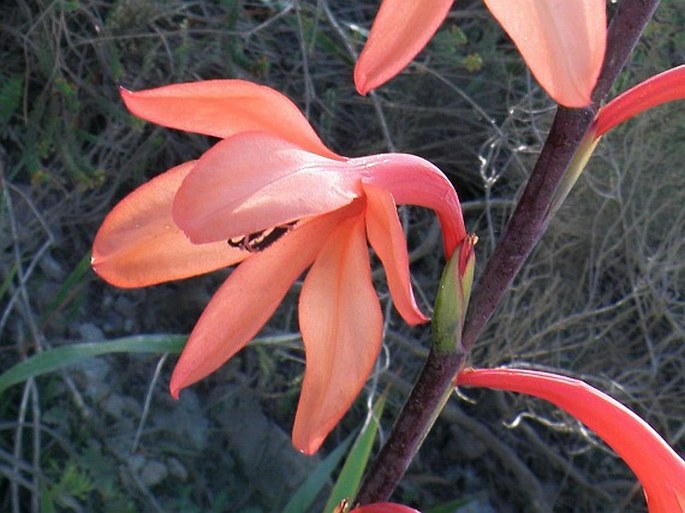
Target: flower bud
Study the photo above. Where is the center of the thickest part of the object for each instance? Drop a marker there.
(453, 296)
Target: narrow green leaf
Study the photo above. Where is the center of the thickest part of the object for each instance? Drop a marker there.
(60, 357)
(63, 356)
(305, 495)
(353, 470)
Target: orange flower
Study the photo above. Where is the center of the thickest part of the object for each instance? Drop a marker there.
(271, 196)
(384, 507)
(562, 42)
(660, 470)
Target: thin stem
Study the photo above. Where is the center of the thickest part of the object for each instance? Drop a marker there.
(528, 222)
(525, 228)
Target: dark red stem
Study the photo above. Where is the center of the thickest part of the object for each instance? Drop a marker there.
(528, 222)
(526, 226)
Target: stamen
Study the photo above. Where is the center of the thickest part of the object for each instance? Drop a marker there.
(258, 241)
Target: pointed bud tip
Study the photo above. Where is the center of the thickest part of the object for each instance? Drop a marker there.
(467, 255)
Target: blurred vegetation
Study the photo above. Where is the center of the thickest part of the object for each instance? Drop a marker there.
(602, 298)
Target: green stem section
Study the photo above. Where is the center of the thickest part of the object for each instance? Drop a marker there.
(526, 226)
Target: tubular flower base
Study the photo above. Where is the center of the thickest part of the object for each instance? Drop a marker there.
(657, 90)
(273, 198)
(660, 470)
(562, 42)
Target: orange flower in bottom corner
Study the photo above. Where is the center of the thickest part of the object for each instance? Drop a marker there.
(273, 198)
(660, 470)
(382, 507)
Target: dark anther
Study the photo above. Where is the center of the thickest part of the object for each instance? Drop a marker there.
(258, 241)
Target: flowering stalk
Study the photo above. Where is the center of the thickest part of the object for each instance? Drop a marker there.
(523, 231)
(529, 220)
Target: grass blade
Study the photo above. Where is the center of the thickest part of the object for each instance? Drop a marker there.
(353, 470)
(63, 356)
(305, 495)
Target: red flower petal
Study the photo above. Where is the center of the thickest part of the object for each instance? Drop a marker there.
(660, 470)
(387, 238)
(563, 43)
(384, 507)
(341, 325)
(249, 296)
(415, 181)
(138, 243)
(254, 181)
(223, 108)
(662, 88)
(400, 31)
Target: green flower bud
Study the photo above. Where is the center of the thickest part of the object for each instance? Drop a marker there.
(453, 297)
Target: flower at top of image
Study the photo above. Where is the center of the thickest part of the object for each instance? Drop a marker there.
(562, 42)
(658, 467)
(273, 198)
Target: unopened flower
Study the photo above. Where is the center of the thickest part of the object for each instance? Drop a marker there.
(453, 296)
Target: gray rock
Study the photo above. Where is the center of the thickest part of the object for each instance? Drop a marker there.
(153, 473)
(176, 469)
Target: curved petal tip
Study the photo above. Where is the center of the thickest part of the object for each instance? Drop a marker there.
(402, 28)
